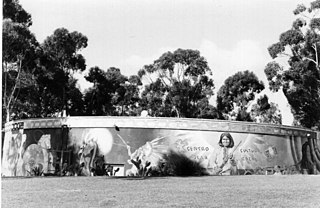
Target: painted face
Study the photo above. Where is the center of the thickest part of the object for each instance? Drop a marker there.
(225, 141)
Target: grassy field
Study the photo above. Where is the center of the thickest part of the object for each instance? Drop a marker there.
(209, 191)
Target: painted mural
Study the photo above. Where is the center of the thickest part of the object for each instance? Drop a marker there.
(117, 151)
(28, 153)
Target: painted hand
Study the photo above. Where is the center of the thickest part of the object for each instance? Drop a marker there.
(233, 162)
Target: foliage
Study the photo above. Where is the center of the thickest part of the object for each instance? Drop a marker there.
(300, 81)
(18, 42)
(112, 93)
(265, 112)
(207, 111)
(19, 60)
(237, 92)
(179, 85)
(52, 87)
(95, 97)
(75, 101)
(14, 11)
(36, 170)
(63, 47)
(37, 79)
(126, 98)
(60, 58)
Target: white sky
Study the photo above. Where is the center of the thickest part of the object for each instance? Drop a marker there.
(233, 35)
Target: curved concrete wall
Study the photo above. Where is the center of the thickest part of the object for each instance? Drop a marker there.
(56, 143)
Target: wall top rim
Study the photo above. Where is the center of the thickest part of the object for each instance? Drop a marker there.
(159, 122)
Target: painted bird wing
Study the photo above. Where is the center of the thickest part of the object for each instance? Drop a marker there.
(154, 150)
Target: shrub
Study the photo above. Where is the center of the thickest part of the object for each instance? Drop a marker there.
(36, 170)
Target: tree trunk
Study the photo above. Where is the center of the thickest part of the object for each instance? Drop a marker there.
(8, 115)
(4, 99)
(10, 98)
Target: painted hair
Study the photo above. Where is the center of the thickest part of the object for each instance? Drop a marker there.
(228, 135)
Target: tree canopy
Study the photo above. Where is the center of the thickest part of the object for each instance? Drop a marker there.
(12, 9)
(19, 60)
(38, 78)
(61, 58)
(300, 81)
(112, 93)
(265, 112)
(180, 85)
(235, 94)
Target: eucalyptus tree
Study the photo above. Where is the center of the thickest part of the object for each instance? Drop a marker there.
(236, 94)
(179, 84)
(265, 112)
(19, 49)
(126, 98)
(62, 57)
(112, 94)
(300, 78)
(115, 88)
(11, 9)
(96, 98)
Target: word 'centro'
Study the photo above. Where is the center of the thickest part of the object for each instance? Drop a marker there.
(197, 148)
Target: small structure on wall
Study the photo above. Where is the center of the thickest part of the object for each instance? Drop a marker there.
(130, 146)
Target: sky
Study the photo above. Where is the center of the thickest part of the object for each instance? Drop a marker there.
(233, 35)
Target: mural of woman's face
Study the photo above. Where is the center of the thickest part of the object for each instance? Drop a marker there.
(225, 141)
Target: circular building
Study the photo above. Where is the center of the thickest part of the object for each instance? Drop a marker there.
(121, 146)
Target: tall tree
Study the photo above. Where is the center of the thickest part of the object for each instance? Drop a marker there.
(179, 84)
(75, 101)
(300, 80)
(126, 98)
(235, 95)
(61, 58)
(18, 59)
(115, 89)
(112, 93)
(95, 98)
(265, 112)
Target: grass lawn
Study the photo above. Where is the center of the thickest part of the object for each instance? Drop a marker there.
(209, 191)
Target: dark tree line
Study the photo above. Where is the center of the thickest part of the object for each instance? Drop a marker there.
(38, 79)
